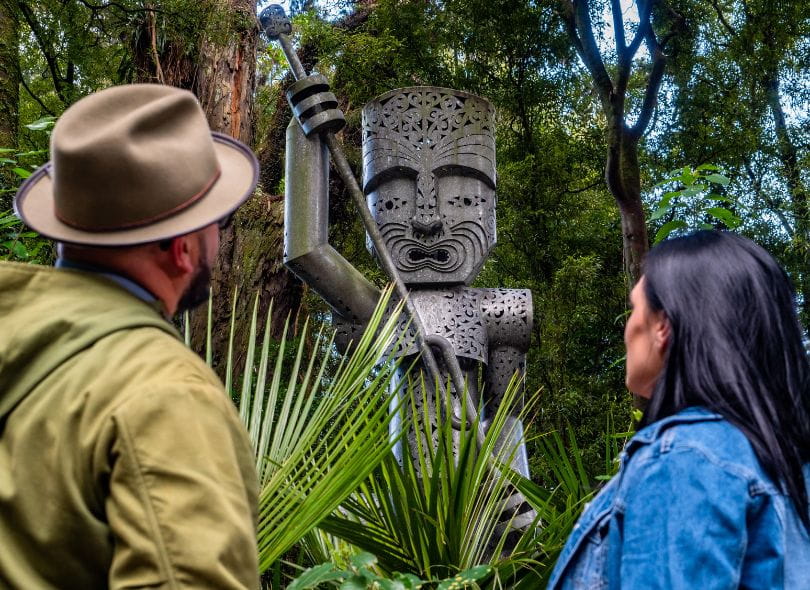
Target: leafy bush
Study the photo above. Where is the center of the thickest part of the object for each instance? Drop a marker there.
(16, 242)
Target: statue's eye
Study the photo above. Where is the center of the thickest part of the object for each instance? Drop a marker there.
(466, 201)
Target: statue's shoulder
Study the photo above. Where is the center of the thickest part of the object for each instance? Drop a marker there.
(507, 314)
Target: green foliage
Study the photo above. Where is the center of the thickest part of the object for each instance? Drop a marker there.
(447, 520)
(695, 203)
(361, 576)
(17, 243)
(317, 436)
(439, 523)
(21, 245)
(404, 521)
(17, 165)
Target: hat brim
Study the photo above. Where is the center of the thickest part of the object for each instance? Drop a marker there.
(239, 173)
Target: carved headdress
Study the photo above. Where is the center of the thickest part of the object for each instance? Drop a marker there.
(448, 127)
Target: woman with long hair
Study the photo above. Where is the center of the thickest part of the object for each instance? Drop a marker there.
(712, 492)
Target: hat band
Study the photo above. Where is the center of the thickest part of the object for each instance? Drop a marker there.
(149, 220)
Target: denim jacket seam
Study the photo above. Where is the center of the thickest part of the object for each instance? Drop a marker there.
(756, 484)
(667, 440)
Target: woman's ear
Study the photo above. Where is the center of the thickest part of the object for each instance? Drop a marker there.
(662, 331)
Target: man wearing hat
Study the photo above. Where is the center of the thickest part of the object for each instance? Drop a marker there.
(122, 461)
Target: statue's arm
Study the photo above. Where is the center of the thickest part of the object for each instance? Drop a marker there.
(507, 315)
(307, 252)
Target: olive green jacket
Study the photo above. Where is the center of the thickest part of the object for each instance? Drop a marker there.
(122, 462)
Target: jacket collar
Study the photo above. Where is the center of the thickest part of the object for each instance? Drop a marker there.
(650, 433)
(136, 289)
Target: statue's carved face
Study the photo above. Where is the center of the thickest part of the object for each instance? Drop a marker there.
(429, 172)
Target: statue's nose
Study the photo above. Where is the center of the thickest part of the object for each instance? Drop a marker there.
(427, 219)
(426, 224)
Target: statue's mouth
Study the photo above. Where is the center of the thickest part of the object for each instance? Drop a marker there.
(440, 255)
(462, 243)
(445, 256)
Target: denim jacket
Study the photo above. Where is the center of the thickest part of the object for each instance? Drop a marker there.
(690, 508)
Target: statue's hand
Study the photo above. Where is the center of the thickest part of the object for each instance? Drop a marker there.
(314, 106)
(274, 22)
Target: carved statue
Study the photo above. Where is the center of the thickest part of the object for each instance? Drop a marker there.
(429, 179)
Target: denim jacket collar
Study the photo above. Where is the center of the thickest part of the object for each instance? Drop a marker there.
(650, 433)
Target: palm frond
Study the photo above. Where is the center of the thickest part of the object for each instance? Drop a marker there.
(317, 433)
(447, 520)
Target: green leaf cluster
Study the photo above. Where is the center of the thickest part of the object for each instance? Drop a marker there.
(360, 576)
(695, 203)
(21, 245)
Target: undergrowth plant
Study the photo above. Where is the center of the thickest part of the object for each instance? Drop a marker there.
(332, 487)
(315, 439)
(17, 242)
(447, 524)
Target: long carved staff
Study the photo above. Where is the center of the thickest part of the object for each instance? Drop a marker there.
(277, 26)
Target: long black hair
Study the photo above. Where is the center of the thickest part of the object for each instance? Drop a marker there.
(735, 348)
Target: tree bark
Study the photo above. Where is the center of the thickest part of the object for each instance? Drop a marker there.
(9, 81)
(223, 76)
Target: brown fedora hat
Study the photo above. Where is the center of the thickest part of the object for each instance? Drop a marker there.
(135, 164)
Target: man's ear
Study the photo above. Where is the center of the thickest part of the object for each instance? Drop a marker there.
(180, 255)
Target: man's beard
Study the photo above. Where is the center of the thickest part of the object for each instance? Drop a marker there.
(199, 289)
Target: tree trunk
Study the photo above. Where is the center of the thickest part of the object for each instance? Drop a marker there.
(223, 76)
(9, 81)
(635, 240)
(622, 173)
(789, 159)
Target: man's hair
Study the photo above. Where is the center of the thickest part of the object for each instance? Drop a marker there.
(735, 348)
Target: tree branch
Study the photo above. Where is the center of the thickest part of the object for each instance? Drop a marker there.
(580, 30)
(34, 96)
(618, 27)
(47, 51)
(626, 57)
(153, 46)
(122, 7)
(653, 85)
(769, 203)
(723, 20)
(593, 185)
(644, 26)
